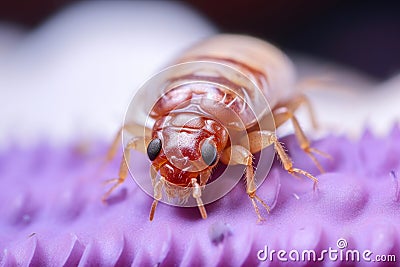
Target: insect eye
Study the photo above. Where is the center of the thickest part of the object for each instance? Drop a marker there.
(209, 153)
(154, 148)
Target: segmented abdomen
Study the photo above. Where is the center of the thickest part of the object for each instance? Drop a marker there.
(262, 63)
(266, 65)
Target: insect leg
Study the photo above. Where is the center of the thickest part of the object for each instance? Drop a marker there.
(238, 154)
(157, 196)
(294, 103)
(197, 196)
(261, 139)
(134, 129)
(283, 114)
(137, 143)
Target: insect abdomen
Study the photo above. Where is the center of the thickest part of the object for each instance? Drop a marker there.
(262, 62)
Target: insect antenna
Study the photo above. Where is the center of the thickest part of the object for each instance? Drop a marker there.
(197, 196)
(157, 196)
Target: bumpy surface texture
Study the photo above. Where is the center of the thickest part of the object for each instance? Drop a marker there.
(51, 213)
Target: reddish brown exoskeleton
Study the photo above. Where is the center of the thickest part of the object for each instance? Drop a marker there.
(204, 116)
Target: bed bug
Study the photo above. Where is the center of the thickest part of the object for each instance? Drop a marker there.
(188, 136)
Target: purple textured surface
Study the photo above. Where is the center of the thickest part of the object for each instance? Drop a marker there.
(51, 213)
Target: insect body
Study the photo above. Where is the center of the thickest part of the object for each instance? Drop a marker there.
(203, 116)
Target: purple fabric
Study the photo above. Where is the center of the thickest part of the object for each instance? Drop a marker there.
(51, 211)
